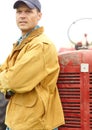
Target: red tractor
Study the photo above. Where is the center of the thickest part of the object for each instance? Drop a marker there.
(75, 86)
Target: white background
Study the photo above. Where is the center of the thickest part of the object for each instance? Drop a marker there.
(58, 15)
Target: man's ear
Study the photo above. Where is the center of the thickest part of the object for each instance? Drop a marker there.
(39, 15)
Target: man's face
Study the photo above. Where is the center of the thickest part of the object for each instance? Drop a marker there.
(27, 18)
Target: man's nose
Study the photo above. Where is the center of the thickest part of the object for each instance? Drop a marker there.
(23, 14)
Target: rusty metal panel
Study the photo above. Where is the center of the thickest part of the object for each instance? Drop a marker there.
(75, 89)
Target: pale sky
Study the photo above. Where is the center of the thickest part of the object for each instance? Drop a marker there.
(58, 15)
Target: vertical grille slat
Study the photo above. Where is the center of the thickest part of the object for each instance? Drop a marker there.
(90, 100)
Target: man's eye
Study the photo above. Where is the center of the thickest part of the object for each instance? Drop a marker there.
(19, 11)
(28, 11)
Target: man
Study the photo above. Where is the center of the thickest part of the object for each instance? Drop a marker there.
(30, 73)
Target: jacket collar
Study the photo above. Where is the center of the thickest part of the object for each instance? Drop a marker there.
(32, 35)
(26, 35)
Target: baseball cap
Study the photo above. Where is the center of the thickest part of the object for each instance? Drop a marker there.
(30, 3)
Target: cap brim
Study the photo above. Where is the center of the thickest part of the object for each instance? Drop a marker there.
(17, 4)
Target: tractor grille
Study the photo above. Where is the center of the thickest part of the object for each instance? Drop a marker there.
(75, 91)
(70, 95)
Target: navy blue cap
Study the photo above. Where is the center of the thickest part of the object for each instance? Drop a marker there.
(30, 3)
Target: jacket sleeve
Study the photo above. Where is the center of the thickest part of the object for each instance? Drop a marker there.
(28, 71)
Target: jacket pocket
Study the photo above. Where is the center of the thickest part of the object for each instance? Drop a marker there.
(28, 99)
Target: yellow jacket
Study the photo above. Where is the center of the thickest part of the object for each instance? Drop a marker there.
(31, 71)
